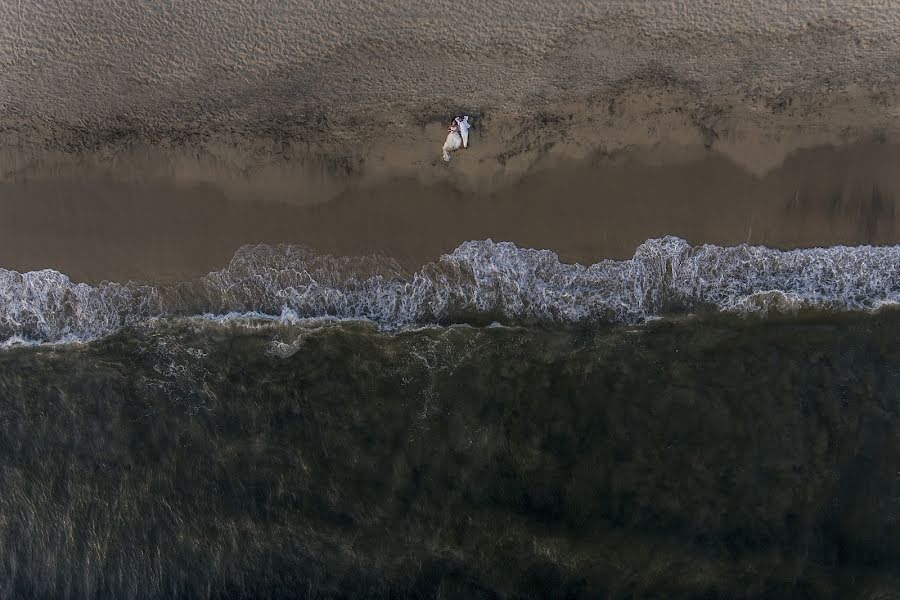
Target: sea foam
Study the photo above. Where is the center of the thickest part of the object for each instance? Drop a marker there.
(480, 280)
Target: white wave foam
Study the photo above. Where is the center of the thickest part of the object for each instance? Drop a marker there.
(46, 306)
(480, 280)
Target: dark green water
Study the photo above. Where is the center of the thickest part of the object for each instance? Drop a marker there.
(717, 457)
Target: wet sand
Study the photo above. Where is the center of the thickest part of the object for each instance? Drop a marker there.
(599, 207)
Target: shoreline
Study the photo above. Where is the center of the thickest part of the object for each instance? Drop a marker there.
(585, 210)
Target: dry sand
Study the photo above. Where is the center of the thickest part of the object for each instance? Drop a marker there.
(148, 141)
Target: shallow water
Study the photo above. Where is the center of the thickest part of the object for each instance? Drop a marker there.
(713, 456)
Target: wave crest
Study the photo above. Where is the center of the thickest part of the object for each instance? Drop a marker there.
(479, 280)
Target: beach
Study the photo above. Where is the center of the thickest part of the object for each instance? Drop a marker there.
(596, 128)
(639, 339)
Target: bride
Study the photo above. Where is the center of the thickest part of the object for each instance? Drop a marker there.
(454, 141)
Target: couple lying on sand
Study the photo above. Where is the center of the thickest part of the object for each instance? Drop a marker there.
(458, 136)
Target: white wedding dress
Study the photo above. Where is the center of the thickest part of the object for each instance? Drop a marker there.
(454, 142)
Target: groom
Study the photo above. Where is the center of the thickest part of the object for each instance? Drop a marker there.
(463, 125)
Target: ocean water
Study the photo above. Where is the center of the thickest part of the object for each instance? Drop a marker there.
(697, 421)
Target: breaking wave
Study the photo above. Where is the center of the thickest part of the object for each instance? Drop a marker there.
(481, 281)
